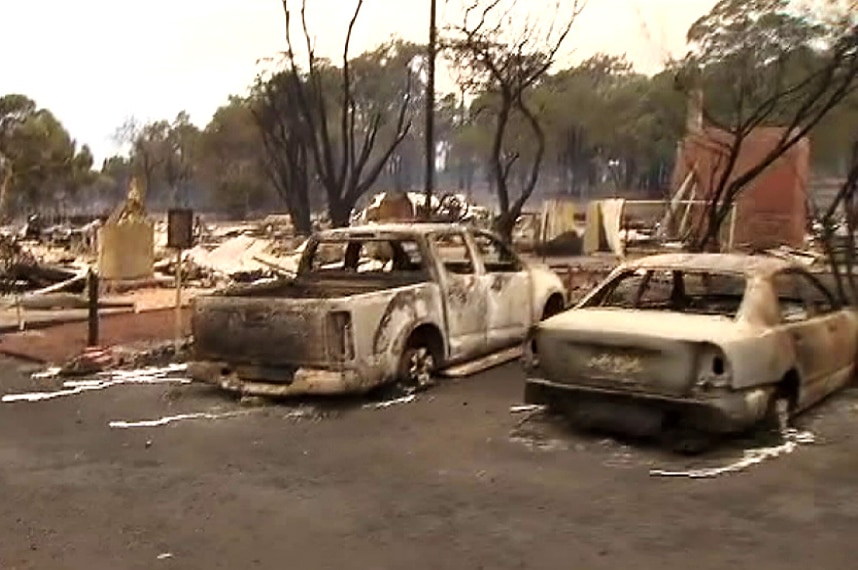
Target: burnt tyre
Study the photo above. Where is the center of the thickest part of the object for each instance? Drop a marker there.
(416, 367)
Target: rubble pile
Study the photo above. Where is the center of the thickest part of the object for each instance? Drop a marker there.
(241, 253)
(21, 271)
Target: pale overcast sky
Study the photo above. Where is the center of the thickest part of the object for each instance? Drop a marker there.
(96, 62)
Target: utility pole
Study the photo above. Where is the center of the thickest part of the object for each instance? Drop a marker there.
(430, 110)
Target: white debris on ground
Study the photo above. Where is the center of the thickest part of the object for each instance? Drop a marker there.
(792, 439)
(533, 443)
(302, 412)
(297, 413)
(172, 419)
(165, 556)
(528, 408)
(151, 371)
(389, 403)
(149, 375)
(48, 373)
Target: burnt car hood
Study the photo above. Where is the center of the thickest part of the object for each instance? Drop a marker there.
(657, 324)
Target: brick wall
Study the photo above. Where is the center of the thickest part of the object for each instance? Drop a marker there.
(772, 210)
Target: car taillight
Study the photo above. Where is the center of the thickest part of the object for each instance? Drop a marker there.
(340, 336)
(713, 368)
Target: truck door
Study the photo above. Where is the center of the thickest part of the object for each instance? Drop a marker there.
(509, 292)
(464, 294)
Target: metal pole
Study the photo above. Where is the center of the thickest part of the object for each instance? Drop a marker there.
(732, 227)
(92, 290)
(430, 110)
(177, 343)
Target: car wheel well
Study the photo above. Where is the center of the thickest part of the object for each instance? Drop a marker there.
(554, 305)
(789, 387)
(429, 336)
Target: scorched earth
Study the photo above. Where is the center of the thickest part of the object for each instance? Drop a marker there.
(141, 475)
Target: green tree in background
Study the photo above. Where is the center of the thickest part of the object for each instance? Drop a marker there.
(763, 63)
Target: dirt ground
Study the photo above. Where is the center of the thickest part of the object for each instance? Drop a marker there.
(57, 344)
(451, 480)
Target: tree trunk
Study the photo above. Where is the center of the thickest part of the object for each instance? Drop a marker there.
(504, 226)
(339, 212)
(301, 219)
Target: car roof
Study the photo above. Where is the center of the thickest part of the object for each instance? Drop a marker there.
(391, 229)
(749, 265)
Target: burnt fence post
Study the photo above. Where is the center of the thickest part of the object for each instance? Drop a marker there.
(92, 293)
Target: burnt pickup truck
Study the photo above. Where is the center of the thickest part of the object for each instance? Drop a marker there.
(372, 305)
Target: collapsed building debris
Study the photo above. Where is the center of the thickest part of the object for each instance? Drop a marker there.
(240, 259)
(411, 206)
(21, 271)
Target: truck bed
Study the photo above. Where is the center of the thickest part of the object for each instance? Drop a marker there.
(326, 287)
(303, 322)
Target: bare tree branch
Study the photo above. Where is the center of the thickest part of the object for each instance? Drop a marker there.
(753, 62)
(345, 167)
(504, 61)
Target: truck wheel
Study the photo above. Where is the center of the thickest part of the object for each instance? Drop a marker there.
(416, 366)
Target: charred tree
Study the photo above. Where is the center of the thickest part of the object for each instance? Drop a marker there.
(285, 140)
(503, 55)
(343, 136)
(838, 224)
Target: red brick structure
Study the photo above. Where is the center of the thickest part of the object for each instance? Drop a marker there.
(772, 210)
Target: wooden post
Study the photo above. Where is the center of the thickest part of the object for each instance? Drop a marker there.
(92, 290)
(180, 236)
(178, 336)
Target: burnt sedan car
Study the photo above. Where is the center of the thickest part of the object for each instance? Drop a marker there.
(703, 342)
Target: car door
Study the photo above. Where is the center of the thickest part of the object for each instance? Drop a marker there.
(835, 325)
(810, 328)
(463, 288)
(509, 292)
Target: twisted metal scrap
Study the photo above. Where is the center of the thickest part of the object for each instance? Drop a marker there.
(12, 256)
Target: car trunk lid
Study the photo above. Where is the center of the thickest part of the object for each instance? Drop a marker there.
(646, 351)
